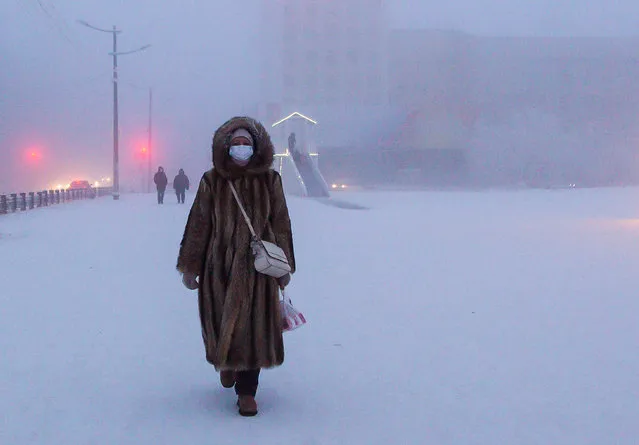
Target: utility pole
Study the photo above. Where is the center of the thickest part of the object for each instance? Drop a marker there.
(149, 149)
(116, 133)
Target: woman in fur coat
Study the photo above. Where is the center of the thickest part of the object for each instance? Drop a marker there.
(239, 307)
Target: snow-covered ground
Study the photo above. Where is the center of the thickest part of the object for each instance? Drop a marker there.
(435, 318)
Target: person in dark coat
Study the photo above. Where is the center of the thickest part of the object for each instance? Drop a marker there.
(292, 148)
(181, 185)
(161, 181)
(239, 307)
(291, 142)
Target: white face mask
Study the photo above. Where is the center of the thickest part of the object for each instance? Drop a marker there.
(241, 152)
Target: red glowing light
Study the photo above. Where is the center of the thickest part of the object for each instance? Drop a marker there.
(33, 155)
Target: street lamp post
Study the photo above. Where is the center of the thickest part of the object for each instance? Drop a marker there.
(149, 149)
(115, 54)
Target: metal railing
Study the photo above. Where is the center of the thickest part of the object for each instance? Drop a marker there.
(21, 202)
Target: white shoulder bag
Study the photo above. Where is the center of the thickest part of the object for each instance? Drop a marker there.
(270, 259)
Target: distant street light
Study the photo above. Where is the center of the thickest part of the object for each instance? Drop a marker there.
(115, 54)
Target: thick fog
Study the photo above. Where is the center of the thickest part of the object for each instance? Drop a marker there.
(206, 64)
(522, 17)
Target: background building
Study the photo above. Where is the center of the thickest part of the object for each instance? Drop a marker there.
(444, 107)
(328, 53)
(328, 60)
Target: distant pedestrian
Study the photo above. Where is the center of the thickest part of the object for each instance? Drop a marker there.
(291, 142)
(181, 185)
(161, 181)
(292, 148)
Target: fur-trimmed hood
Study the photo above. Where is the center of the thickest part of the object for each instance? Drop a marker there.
(263, 148)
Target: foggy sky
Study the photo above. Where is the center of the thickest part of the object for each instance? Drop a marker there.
(55, 89)
(522, 17)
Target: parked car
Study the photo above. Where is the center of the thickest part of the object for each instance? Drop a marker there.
(83, 185)
(338, 186)
(80, 185)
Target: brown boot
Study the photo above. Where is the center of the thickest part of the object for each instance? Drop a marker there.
(227, 378)
(247, 406)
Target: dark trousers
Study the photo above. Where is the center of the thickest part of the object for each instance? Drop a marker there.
(246, 382)
(180, 196)
(160, 196)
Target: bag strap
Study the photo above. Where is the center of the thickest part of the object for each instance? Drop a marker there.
(239, 203)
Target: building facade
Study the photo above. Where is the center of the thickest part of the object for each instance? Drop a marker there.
(392, 104)
(327, 53)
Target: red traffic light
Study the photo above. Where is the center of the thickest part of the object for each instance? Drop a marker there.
(142, 152)
(33, 155)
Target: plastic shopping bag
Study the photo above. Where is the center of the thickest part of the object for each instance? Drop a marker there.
(291, 317)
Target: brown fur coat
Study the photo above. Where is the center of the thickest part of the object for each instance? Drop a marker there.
(239, 308)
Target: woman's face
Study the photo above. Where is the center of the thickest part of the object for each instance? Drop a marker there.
(240, 140)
